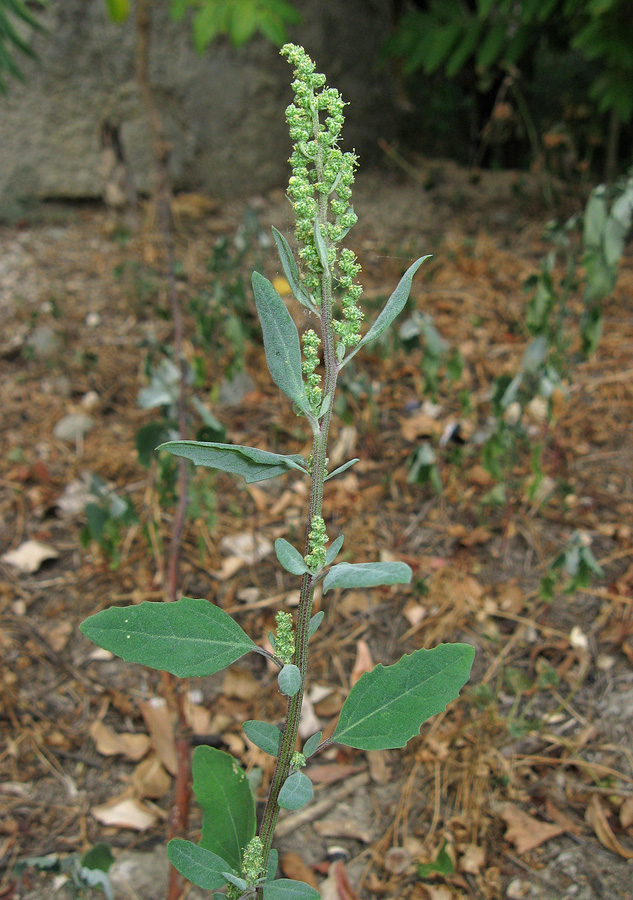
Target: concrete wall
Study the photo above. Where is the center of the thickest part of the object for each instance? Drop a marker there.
(224, 110)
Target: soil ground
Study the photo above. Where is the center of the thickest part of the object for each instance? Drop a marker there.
(527, 780)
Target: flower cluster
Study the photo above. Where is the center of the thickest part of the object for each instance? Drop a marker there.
(311, 343)
(322, 174)
(284, 638)
(317, 539)
(253, 861)
(298, 761)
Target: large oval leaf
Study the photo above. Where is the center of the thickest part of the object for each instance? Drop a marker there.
(285, 889)
(264, 735)
(187, 638)
(386, 706)
(251, 463)
(296, 791)
(200, 866)
(228, 808)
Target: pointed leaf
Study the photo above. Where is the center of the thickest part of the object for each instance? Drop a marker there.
(296, 791)
(290, 558)
(200, 866)
(187, 638)
(386, 706)
(236, 880)
(334, 549)
(393, 307)
(343, 468)
(291, 271)
(358, 575)
(228, 808)
(264, 735)
(285, 889)
(311, 744)
(281, 343)
(271, 868)
(251, 463)
(289, 680)
(314, 623)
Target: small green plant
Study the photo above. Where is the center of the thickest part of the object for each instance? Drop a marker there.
(82, 873)
(193, 637)
(576, 562)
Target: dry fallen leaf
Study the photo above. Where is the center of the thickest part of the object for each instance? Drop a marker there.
(294, 867)
(158, 720)
(125, 812)
(472, 859)
(364, 662)
(378, 769)
(419, 425)
(109, 743)
(524, 831)
(626, 813)
(595, 816)
(309, 723)
(397, 860)
(29, 556)
(247, 546)
(57, 635)
(150, 779)
(241, 684)
(329, 773)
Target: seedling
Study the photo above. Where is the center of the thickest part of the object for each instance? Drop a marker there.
(193, 637)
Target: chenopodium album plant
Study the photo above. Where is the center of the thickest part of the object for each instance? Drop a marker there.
(190, 637)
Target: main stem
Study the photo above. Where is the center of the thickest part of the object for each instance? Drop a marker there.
(315, 506)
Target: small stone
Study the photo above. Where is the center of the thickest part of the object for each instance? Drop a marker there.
(73, 426)
(45, 342)
(93, 320)
(90, 401)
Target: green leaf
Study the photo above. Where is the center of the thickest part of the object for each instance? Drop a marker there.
(290, 558)
(236, 880)
(285, 889)
(292, 272)
(148, 437)
(359, 575)
(98, 857)
(296, 791)
(441, 865)
(393, 307)
(249, 462)
(320, 245)
(314, 623)
(264, 735)
(342, 468)
(281, 343)
(118, 10)
(595, 219)
(271, 868)
(187, 638)
(386, 706)
(334, 549)
(228, 808)
(200, 866)
(289, 680)
(311, 744)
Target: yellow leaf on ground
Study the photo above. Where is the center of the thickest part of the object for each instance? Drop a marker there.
(109, 743)
(524, 831)
(158, 720)
(126, 812)
(596, 817)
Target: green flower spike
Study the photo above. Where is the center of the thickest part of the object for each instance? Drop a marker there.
(284, 638)
(253, 862)
(311, 343)
(320, 190)
(317, 539)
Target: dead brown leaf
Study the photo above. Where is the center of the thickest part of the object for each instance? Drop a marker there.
(472, 859)
(240, 684)
(294, 867)
(125, 812)
(419, 425)
(109, 743)
(329, 773)
(364, 662)
(596, 817)
(158, 720)
(626, 813)
(524, 831)
(150, 779)
(379, 770)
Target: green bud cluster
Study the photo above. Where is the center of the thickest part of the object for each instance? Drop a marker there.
(253, 862)
(317, 540)
(311, 343)
(298, 760)
(284, 638)
(322, 174)
(233, 892)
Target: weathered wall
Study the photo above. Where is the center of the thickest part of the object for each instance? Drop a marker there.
(224, 111)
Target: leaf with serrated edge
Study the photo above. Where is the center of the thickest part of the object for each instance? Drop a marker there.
(251, 463)
(285, 889)
(311, 744)
(360, 575)
(228, 808)
(296, 791)
(291, 271)
(200, 866)
(290, 558)
(314, 623)
(264, 735)
(393, 307)
(187, 638)
(342, 468)
(387, 706)
(281, 343)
